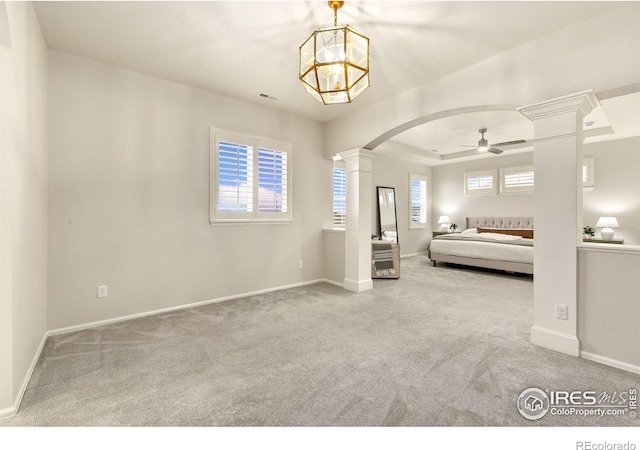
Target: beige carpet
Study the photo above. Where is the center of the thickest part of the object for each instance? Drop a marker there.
(441, 346)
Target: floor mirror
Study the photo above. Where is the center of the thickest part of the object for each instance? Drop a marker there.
(387, 219)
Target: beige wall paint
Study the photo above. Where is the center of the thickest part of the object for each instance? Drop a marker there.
(449, 198)
(24, 213)
(608, 312)
(617, 186)
(6, 299)
(129, 196)
(334, 262)
(395, 173)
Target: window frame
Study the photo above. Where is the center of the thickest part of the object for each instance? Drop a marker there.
(343, 224)
(424, 201)
(519, 188)
(493, 190)
(589, 183)
(216, 216)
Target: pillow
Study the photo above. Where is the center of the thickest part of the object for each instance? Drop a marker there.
(469, 231)
(525, 233)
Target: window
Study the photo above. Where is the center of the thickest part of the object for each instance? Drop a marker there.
(517, 179)
(587, 173)
(480, 183)
(418, 200)
(339, 198)
(250, 178)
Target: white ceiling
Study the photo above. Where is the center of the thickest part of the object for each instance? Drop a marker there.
(240, 49)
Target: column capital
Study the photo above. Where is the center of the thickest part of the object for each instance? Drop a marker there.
(584, 102)
(358, 152)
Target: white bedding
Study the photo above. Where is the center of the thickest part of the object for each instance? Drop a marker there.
(484, 250)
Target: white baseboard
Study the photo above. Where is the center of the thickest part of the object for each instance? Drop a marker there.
(335, 283)
(5, 413)
(100, 323)
(13, 410)
(610, 362)
(560, 342)
(413, 254)
(358, 286)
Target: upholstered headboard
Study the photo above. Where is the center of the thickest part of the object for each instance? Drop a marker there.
(500, 222)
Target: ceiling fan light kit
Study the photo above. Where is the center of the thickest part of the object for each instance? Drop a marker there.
(483, 144)
(334, 62)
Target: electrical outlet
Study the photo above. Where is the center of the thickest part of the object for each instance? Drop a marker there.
(562, 312)
(300, 264)
(102, 291)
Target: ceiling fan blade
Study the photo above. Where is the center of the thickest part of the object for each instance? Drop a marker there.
(502, 144)
(497, 151)
(463, 145)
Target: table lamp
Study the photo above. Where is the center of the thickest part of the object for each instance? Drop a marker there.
(444, 223)
(607, 224)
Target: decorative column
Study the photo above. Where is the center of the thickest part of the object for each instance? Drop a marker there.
(557, 159)
(360, 203)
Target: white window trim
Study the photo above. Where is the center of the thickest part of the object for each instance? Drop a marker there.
(255, 217)
(480, 173)
(421, 177)
(514, 189)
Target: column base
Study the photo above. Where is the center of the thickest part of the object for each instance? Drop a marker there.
(560, 342)
(357, 286)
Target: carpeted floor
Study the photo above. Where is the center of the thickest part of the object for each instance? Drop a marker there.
(441, 346)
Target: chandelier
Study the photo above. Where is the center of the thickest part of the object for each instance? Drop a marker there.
(334, 62)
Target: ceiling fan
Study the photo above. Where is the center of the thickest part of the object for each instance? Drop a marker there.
(483, 144)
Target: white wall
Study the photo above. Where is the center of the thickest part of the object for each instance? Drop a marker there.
(395, 173)
(608, 304)
(129, 196)
(449, 198)
(334, 251)
(6, 299)
(24, 216)
(617, 186)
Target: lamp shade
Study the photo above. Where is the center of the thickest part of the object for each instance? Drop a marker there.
(607, 222)
(444, 223)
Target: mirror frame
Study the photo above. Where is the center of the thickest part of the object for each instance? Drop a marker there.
(379, 190)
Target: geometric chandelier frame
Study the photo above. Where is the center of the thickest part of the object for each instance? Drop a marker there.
(334, 62)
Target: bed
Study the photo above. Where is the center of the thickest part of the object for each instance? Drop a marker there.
(501, 243)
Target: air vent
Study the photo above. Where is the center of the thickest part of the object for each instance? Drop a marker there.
(267, 96)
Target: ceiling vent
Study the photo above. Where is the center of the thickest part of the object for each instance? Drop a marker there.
(267, 96)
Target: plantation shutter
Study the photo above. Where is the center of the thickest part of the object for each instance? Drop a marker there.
(235, 177)
(418, 201)
(339, 198)
(272, 181)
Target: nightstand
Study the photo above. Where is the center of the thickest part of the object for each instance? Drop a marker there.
(604, 241)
